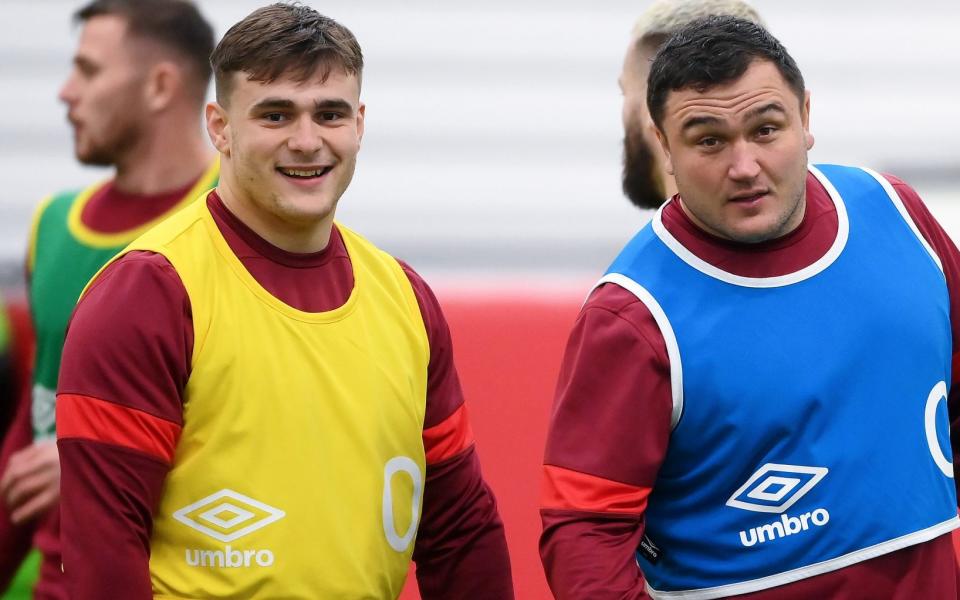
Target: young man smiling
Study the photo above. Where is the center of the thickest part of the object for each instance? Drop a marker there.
(271, 409)
(768, 364)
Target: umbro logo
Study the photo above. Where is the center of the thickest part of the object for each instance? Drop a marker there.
(774, 488)
(228, 515)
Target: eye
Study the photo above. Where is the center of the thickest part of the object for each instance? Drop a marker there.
(766, 130)
(708, 142)
(330, 116)
(274, 117)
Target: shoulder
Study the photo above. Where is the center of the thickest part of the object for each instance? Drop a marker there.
(49, 216)
(173, 227)
(132, 274)
(427, 301)
(614, 320)
(55, 204)
(917, 210)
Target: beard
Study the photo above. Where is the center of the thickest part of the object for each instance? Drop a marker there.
(107, 152)
(641, 183)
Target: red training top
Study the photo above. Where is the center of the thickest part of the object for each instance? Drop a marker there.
(139, 314)
(610, 427)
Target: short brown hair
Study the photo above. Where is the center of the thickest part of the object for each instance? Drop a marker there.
(176, 25)
(284, 38)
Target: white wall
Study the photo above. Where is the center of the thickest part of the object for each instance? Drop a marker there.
(493, 128)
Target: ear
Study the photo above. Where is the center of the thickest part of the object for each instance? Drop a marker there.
(218, 127)
(805, 117)
(662, 138)
(163, 84)
(361, 115)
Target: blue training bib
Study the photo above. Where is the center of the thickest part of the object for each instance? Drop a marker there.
(810, 421)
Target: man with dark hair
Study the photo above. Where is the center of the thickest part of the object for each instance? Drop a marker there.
(134, 99)
(645, 182)
(255, 401)
(755, 400)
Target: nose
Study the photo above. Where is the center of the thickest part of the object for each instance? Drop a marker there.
(306, 136)
(68, 92)
(744, 165)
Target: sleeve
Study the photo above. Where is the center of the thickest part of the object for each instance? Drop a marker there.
(15, 540)
(461, 549)
(949, 257)
(606, 440)
(119, 413)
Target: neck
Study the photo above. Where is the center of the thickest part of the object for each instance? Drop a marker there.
(299, 237)
(169, 156)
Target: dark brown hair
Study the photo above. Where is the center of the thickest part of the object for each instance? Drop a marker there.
(713, 51)
(284, 39)
(176, 25)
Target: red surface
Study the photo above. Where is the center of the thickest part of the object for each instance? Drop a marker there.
(508, 352)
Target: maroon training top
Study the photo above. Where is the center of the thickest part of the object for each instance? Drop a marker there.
(139, 316)
(611, 424)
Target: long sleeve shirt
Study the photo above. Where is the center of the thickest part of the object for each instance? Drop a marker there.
(139, 314)
(610, 427)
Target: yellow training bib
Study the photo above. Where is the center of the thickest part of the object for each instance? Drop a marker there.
(300, 469)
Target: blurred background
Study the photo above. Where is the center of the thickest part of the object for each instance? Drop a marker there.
(493, 129)
(491, 163)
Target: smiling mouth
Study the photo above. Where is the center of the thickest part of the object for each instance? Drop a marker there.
(304, 173)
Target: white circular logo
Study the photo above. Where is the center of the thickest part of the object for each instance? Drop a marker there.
(397, 464)
(938, 393)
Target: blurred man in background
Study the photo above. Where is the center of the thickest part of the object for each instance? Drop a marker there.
(134, 98)
(645, 182)
(755, 400)
(7, 404)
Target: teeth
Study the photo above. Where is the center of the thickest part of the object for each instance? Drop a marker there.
(297, 173)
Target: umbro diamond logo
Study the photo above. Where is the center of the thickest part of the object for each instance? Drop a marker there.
(774, 488)
(228, 515)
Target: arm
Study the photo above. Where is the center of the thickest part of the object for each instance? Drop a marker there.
(461, 550)
(15, 539)
(608, 436)
(950, 259)
(119, 412)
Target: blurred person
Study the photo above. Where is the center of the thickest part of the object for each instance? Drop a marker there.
(255, 401)
(134, 98)
(645, 180)
(7, 404)
(755, 401)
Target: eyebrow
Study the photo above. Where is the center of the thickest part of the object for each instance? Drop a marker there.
(333, 104)
(286, 104)
(272, 103)
(697, 121)
(771, 107)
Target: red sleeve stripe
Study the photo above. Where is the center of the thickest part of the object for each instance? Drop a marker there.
(955, 367)
(94, 419)
(448, 438)
(571, 490)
